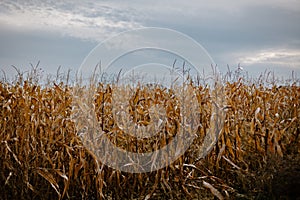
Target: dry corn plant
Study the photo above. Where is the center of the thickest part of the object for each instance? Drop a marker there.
(125, 125)
(41, 156)
(44, 132)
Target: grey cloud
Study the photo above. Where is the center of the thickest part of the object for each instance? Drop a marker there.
(85, 20)
(228, 30)
(254, 29)
(22, 48)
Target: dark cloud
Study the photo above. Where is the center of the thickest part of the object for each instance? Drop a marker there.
(232, 32)
(231, 37)
(53, 50)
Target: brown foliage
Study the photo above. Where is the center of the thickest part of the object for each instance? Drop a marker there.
(43, 157)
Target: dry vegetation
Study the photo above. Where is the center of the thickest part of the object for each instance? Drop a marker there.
(43, 156)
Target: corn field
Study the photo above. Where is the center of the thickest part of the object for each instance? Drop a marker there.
(43, 155)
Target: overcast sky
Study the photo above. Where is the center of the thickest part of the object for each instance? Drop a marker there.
(257, 34)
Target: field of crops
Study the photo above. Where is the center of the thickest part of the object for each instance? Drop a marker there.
(42, 155)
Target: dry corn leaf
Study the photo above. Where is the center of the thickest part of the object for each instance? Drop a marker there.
(49, 177)
(213, 190)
